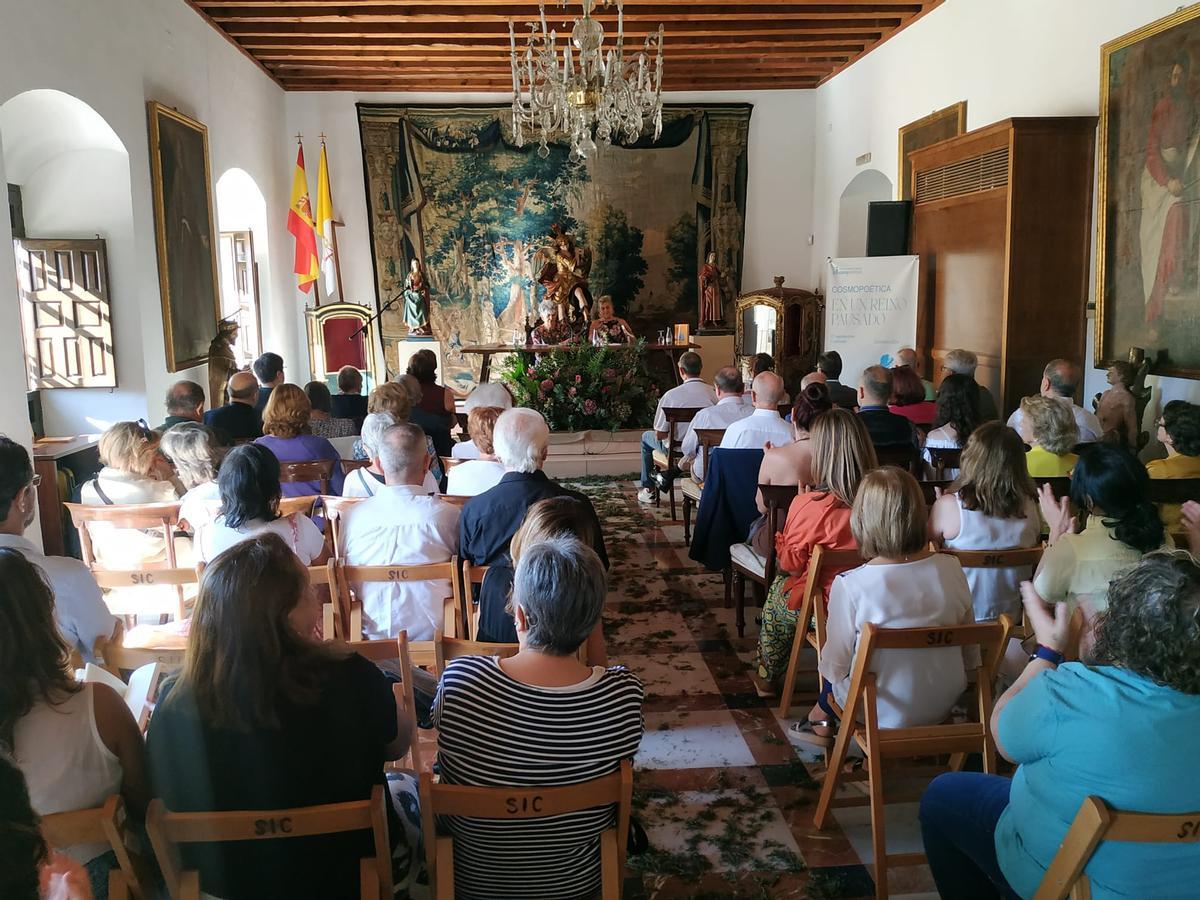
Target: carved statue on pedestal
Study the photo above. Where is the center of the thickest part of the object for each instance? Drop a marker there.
(712, 303)
(416, 300)
(222, 362)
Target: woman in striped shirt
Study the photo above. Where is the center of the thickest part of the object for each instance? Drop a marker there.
(539, 718)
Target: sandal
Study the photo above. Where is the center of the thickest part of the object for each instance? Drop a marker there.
(805, 731)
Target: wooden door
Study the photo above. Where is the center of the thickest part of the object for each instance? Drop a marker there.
(66, 313)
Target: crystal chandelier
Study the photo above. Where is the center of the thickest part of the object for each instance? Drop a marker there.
(592, 95)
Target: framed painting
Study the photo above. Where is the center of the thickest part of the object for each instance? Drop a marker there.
(935, 127)
(185, 236)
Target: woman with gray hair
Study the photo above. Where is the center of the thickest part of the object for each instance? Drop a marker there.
(540, 718)
(196, 453)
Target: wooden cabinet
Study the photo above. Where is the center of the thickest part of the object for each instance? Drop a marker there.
(1002, 223)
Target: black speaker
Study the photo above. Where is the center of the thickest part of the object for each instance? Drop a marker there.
(888, 226)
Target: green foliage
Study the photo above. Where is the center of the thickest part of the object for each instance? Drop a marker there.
(582, 387)
(617, 261)
(681, 250)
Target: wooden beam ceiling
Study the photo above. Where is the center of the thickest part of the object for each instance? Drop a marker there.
(442, 45)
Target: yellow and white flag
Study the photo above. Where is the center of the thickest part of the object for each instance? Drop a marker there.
(324, 224)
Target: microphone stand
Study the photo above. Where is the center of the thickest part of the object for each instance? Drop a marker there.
(367, 324)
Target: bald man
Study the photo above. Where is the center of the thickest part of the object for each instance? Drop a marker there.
(238, 420)
(764, 424)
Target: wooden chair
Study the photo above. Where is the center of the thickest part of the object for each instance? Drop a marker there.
(707, 439)
(902, 456)
(335, 511)
(943, 458)
(746, 563)
(472, 576)
(105, 824)
(1096, 822)
(927, 740)
(349, 465)
(169, 829)
(448, 648)
(319, 470)
(386, 650)
(665, 460)
(521, 803)
(812, 604)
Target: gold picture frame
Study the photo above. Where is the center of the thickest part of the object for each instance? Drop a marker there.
(1135, 307)
(940, 125)
(184, 235)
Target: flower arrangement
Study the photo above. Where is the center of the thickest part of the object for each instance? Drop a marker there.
(583, 387)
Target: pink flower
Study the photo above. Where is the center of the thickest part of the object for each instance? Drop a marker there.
(578, 379)
(547, 385)
(589, 406)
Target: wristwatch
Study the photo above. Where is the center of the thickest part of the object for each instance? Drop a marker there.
(1054, 657)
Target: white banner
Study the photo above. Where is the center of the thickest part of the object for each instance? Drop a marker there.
(870, 311)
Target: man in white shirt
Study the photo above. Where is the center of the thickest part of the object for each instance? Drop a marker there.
(731, 406)
(1059, 380)
(693, 392)
(490, 394)
(78, 604)
(401, 525)
(764, 423)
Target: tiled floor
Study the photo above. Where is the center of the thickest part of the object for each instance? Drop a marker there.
(726, 797)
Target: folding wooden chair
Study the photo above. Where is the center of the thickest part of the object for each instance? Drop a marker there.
(472, 576)
(1096, 822)
(746, 563)
(665, 460)
(820, 561)
(690, 488)
(335, 511)
(943, 458)
(169, 829)
(520, 803)
(318, 470)
(448, 648)
(386, 650)
(878, 743)
(105, 824)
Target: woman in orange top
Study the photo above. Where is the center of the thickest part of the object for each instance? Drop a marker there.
(841, 455)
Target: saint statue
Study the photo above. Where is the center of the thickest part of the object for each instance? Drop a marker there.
(222, 362)
(565, 278)
(416, 300)
(712, 306)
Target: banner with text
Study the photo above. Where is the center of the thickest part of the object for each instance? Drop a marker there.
(870, 311)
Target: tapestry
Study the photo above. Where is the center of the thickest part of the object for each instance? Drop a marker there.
(447, 186)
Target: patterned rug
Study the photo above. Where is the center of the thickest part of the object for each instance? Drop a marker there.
(726, 797)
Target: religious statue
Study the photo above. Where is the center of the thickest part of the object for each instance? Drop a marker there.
(416, 300)
(565, 278)
(222, 362)
(712, 305)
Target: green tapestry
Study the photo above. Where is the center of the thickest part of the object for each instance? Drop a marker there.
(446, 185)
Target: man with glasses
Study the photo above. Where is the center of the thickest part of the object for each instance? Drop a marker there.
(78, 604)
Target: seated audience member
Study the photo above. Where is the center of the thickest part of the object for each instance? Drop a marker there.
(240, 420)
(764, 425)
(474, 476)
(527, 720)
(264, 715)
(1110, 488)
(285, 433)
(904, 585)
(1051, 433)
(964, 362)
(134, 473)
(1059, 381)
(490, 520)
(1179, 432)
(792, 463)
(552, 517)
(196, 454)
(349, 402)
(268, 369)
(908, 397)
(843, 395)
(82, 616)
(1117, 409)
(395, 399)
(691, 392)
(77, 744)
(729, 408)
(992, 505)
(907, 357)
(250, 494)
(495, 395)
(1122, 728)
(320, 421)
(885, 427)
(436, 425)
(841, 455)
(609, 328)
(956, 417)
(185, 403)
(401, 525)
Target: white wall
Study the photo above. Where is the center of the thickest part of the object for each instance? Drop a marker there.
(1005, 58)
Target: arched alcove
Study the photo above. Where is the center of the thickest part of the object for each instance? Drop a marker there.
(866, 187)
(244, 257)
(73, 173)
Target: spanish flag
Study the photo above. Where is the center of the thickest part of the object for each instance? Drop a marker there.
(325, 224)
(300, 224)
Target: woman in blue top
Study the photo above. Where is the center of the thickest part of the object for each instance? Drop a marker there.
(1123, 729)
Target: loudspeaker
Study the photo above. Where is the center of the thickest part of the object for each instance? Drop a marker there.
(888, 225)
